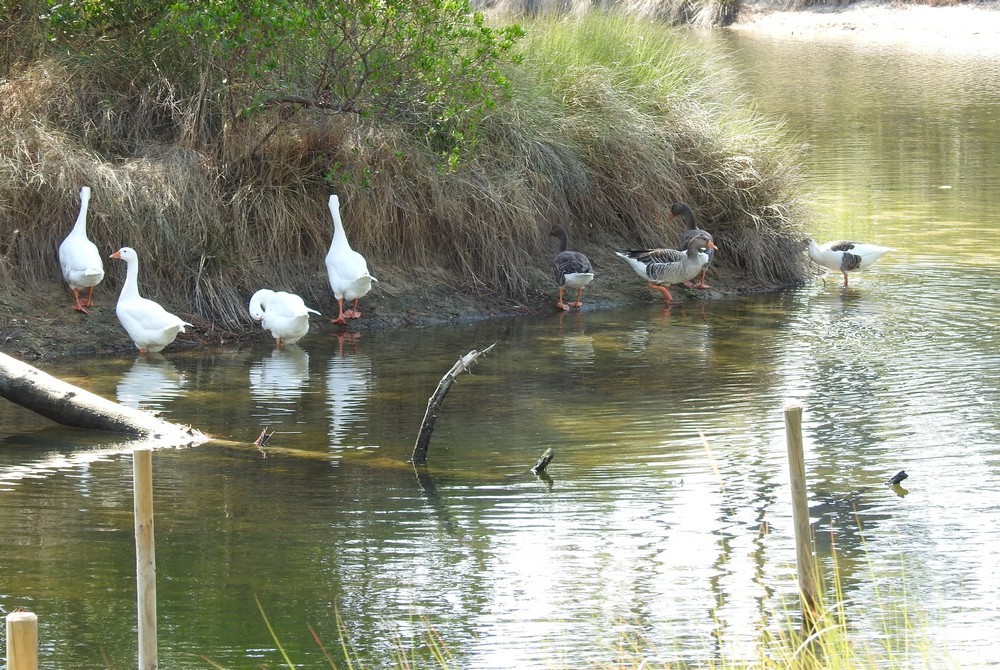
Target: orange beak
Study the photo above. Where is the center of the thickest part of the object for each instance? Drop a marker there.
(115, 255)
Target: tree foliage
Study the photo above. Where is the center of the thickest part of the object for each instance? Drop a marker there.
(433, 65)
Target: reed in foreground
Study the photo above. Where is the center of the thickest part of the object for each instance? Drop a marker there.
(833, 643)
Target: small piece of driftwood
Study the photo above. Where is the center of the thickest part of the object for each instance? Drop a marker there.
(543, 462)
(897, 478)
(73, 406)
(434, 403)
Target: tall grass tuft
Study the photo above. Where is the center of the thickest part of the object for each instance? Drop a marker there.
(648, 117)
(610, 120)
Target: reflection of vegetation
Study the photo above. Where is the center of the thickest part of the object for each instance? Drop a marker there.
(214, 132)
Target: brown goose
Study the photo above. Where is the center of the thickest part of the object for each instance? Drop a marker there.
(663, 267)
(682, 210)
(573, 269)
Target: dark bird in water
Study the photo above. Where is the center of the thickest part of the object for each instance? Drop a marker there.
(572, 268)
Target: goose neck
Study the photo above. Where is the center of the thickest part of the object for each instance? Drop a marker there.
(130, 289)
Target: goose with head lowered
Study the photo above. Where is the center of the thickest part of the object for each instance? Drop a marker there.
(682, 210)
(844, 256)
(573, 269)
(81, 263)
(663, 267)
(149, 325)
(284, 315)
(346, 268)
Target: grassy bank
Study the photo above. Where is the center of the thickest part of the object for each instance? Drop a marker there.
(608, 121)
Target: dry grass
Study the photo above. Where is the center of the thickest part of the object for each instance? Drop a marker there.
(600, 136)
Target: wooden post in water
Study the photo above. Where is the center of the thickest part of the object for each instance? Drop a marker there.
(804, 555)
(145, 556)
(22, 641)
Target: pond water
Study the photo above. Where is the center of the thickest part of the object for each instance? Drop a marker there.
(663, 529)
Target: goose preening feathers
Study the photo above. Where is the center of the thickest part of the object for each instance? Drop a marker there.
(346, 268)
(663, 267)
(682, 210)
(573, 269)
(149, 325)
(844, 256)
(81, 263)
(284, 315)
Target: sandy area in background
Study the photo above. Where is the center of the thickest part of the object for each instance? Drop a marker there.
(966, 28)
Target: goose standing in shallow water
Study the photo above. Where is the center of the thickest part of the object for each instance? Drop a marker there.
(844, 256)
(573, 269)
(663, 267)
(682, 210)
(346, 268)
(81, 263)
(284, 315)
(149, 325)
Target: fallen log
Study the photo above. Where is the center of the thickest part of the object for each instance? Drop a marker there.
(73, 406)
(434, 403)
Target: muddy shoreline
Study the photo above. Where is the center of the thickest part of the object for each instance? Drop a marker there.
(41, 324)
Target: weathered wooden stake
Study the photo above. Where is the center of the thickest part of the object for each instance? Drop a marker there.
(145, 556)
(22, 641)
(434, 403)
(804, 555)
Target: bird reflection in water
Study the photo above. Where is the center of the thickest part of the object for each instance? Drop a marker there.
(151, 383)
(348, 385)
(278, 380)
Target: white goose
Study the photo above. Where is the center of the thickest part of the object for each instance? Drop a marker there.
(149, 325)
(81, 263)
(663, 267)
(285, 315)
(346, 268)
(844, 256)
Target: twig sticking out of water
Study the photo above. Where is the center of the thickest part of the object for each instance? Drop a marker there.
(543, 462)
(434, 403)
(263, 438)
